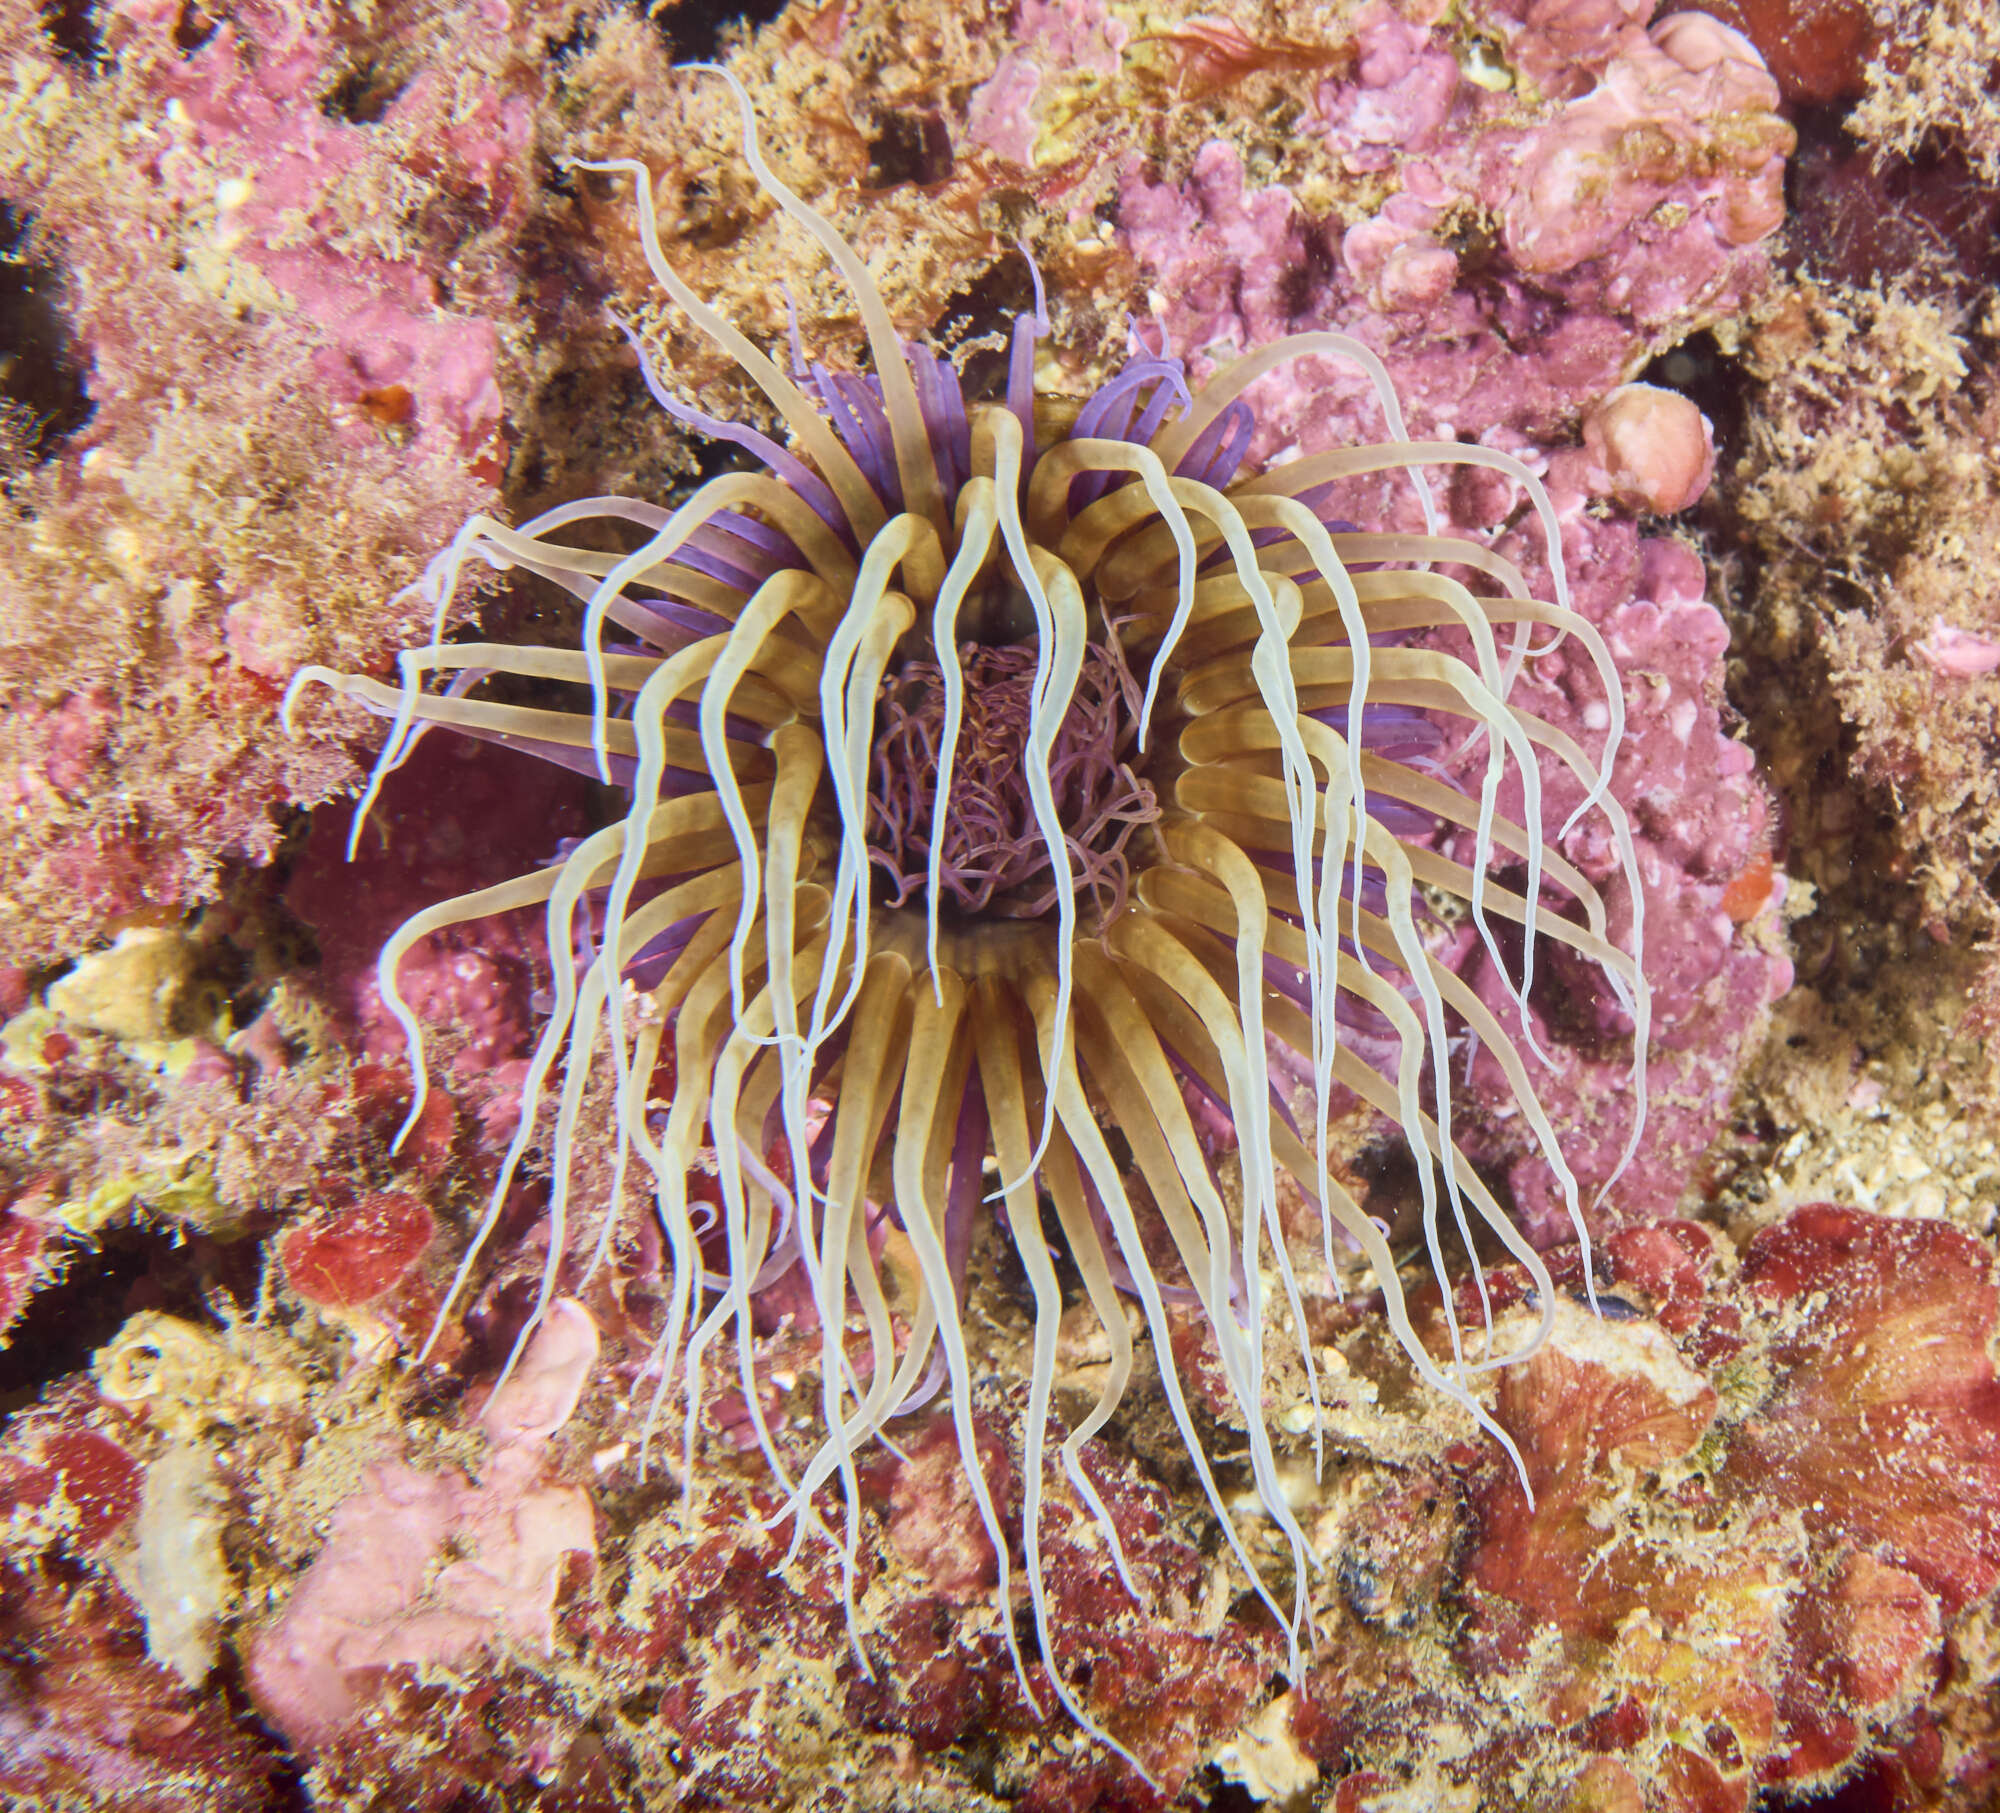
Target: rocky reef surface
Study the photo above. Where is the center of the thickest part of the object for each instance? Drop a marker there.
(293, 290)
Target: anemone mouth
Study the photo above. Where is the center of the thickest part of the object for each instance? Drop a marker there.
(988, 793)
(994, 863)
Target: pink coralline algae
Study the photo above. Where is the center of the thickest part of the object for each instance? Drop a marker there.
(428, 1570)
(1629, 216)
(1701, 818)
(251, 97)
(1682, 119)
(1958, 654)
(1056, 38)
(284, 303)
(1619, 233)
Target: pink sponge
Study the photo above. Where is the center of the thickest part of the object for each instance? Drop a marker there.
(429, 1569)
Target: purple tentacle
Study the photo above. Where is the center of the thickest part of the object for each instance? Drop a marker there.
(787, 466)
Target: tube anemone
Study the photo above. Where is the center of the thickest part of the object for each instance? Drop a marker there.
(991, 788)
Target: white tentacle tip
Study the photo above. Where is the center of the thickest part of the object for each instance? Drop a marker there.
(306, 676)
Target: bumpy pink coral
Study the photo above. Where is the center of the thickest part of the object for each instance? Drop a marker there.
(1558, 44)
(1629, 216)
(430, 1570)
(1400, 100)
(1683, 115)
(1000, 115)
(1654, 450)
(1700, 818)
(1628, 220)
(1050, 37)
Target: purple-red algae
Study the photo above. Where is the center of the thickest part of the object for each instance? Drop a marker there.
(455, 818)
(83, 1483)
(707, 1611)
(352, 1256)
(1711, 1597)
(86, 1719)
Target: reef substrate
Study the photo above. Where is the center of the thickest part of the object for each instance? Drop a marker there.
(293, 296)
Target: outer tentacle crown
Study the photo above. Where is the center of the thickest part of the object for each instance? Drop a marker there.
(1175, 857)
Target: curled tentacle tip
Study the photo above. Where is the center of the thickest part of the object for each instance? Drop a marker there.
(306, 676)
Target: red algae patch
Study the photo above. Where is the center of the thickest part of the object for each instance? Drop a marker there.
(933, 1521)
(78, 1481)
(1760, 1558)
(86, 1718)
(355, 1256)
(1885, 1426)
(1818, 50)
(1664, 1614)
(21, 1243)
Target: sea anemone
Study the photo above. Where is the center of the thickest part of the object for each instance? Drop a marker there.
(1015, 791)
